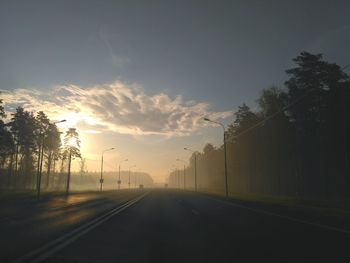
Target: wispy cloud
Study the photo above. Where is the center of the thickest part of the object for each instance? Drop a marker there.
(116, 107)
(117, 59)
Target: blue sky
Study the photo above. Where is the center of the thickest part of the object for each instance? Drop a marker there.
(220, 53)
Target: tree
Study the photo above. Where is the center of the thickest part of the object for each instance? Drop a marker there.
(208, 148)
(277, 160)
(53, 144)
(2, 110)
(43, 124)
(6, 143)
(271, 101)
(23, 128)
(244, 120)
(71, 149)
(320, 92)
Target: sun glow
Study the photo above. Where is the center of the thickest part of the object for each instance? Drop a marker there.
(72, 142)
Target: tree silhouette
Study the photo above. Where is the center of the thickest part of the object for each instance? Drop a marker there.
(296, 142)
(322, 122)
(23, 127)
(71, 150)
(6, 143)
(53, 144)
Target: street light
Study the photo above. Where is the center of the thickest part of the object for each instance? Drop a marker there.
(40, 159)
(119, 181)
(225, 154)
(195, 166)
(135, 178)
(129, 174)
(179, 160)
(101, 179)
(177, 174)
(173, 179)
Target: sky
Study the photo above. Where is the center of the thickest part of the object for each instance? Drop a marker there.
(141, 75)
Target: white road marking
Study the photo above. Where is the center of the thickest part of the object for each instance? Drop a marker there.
(336, 229)
(52, 247)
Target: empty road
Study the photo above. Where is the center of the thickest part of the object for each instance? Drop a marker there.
(178, 226)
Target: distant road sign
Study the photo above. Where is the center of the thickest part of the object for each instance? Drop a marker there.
(119, 181)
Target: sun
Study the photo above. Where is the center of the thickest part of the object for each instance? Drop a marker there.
(72, 142)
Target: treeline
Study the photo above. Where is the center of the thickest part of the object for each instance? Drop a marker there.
(32, 154)
(296, 143)
(31, 150)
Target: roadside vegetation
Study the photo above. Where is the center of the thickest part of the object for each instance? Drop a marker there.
(294, 143)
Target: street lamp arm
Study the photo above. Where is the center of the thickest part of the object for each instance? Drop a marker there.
(219, 123)
(110, 149)
(123, 161)
(187, 149)
(55, 122)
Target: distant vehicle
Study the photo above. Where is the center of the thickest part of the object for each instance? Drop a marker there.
(166, 185)
(141, 186)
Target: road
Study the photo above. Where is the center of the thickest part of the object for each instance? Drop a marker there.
(178, 226)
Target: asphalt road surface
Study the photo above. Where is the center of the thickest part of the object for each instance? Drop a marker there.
(177, 226)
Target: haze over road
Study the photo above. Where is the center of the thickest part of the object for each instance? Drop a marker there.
(177, 226)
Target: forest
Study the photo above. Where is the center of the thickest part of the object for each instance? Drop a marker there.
(32, 156)
(296, 141)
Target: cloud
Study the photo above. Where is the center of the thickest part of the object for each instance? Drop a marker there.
(116, 107)
(117, 59)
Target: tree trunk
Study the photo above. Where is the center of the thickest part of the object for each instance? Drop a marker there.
(10, 170)
(53, 171)
(48, 170)
(16, 167)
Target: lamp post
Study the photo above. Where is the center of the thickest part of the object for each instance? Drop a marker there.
(195, 166)
(101, 179)
(119, 181)
(179, 160)
(129, 174)
(40, 159)
(177, 175)
(174, 177)
(225, 154)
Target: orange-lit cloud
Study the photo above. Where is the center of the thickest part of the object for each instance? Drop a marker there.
(115, 107)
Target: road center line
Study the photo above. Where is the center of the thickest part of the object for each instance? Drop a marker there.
(52, 247)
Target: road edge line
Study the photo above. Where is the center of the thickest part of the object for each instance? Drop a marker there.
(67, 238)
(300, 221)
